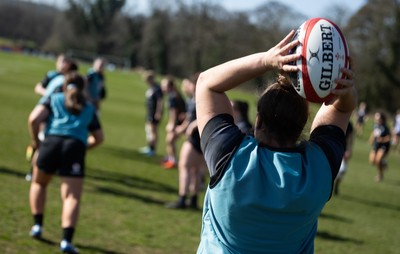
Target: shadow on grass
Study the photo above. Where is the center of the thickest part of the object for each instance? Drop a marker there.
(126, 194)
(47, 241)
(7, 171)
(95, 249)
(371, 202)
(128, 180)
(130, 154)
(81, 247)
(335, 217)
(328, 236)
(392, 182)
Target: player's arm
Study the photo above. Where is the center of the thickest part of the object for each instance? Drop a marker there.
(38, 115)
(159, 108)
(172, 118)
(95, 139)
(339, 111)
(97, 135)
(212, 84)
(39, 89)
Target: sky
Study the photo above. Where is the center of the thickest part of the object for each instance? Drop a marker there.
(310, 8)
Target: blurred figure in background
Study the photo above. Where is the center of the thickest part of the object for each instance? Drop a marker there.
(69, 120)
(192, 166)
(53, 83)
(380, 139)
(241, 117)
(40, 87)
(96, 88)
(154, 109)
(348, 151)
(396, 131)
(176, 115)
(361, 118)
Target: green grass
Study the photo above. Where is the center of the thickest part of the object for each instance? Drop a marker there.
(123, 201)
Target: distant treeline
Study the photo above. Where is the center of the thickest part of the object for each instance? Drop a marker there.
(179, 38)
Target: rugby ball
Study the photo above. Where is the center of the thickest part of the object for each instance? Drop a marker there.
(324, 52)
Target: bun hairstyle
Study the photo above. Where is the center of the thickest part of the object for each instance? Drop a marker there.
(74, 92)
(282, 111)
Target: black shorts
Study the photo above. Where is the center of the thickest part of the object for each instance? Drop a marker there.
(62, 155)
(194, 139)
(381, 146)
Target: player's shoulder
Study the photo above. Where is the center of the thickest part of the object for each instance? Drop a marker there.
(52, 74)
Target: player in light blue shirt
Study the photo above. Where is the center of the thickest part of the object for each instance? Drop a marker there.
(266, 192)
(69, 120)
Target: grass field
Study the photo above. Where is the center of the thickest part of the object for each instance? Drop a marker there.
(123, 202)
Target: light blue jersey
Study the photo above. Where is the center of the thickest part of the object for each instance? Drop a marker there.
(63, 123)
(55, 85)
(261, 199)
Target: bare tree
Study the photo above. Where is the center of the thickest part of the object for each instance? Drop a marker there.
(374, 36)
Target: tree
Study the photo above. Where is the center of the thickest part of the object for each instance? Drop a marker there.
(94, 18)
(24, 21)
(373, 34)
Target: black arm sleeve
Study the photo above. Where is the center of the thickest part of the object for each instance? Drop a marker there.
(332, 141)
(95, 124)
(219, 142)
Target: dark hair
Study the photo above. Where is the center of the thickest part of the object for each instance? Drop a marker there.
(74, 92)
(170, 83)
(71, 64)
(149, 76)
(382, 117)
(282, 111)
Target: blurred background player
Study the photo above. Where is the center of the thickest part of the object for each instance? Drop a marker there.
(96, 88)
(52, 83)
(154, 110)
(40, 87)
(192, 166)
(380, 139)
(361, 118)
(241, 117)
(176, 115)
(346, 157)
(69, 120)
(396, 131)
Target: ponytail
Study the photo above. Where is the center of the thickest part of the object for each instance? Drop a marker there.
(74, 95)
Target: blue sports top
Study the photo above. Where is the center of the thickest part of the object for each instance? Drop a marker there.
(63, 123)
(263, 199)
(54, 86)
(95, 84)
(49, 76)
(153, 94)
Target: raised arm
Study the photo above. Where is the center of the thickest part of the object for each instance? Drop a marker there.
(38, 115)
(212, 84)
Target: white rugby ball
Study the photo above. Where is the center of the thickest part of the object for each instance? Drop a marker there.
(324, 52)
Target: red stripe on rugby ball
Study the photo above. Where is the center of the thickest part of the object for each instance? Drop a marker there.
(309, 92)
